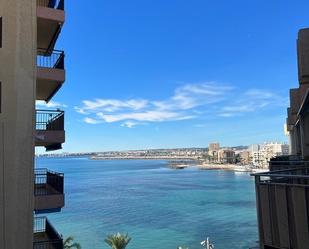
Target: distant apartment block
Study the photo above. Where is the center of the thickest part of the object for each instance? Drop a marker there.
(261, 154)
(244, 157)
(214, 146)
(226, 156)
(282, 194)
(30, 69)
(213, 150)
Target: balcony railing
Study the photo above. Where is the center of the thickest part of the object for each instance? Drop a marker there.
(53, 4)
(45, 235)
(287, 162)
(296, 176)
(50, 59)
(50, 120)
(282, 207)
(48, 182)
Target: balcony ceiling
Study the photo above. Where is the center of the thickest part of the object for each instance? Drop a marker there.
(49, 23)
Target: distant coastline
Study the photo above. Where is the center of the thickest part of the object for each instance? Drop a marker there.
(179, 163)
(174, 162)
(212, 166)
(141, 158)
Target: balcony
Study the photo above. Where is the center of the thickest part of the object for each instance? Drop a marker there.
(282, 207)
(49, 129)
(45, 236)
(48, 191)
(50, 18)
(50, 73)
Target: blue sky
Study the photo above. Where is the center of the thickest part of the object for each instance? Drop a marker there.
(176, 73)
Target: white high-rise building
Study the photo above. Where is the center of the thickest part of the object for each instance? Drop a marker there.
(260, 154)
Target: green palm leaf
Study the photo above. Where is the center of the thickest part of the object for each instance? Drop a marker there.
(68, 243)
(118, 240)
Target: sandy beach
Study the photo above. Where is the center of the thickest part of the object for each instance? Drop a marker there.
(209, 166)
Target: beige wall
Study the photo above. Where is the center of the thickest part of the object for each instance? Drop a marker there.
(17, 74)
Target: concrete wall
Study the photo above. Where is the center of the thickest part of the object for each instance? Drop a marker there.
(303, 56)
(17, 74)
(295, 100)
(304, 134)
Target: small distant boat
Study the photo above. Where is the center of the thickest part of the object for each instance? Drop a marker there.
(258, 170)
(181, 164)
(240, 169)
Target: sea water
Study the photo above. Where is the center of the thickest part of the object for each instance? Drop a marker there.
(160, 208)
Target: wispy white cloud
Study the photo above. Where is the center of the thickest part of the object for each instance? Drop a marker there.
(199, 125)
(251, 101)
(194, 95)
(50, 104)
(146, 116)
(227, 114)
(91, 121)
(129, 124)
(111, 105)
(189, 101)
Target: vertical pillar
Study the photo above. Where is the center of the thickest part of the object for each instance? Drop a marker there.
(292, 138)
(297, 136)
(1, 187)
(18, 80)
(304, 135)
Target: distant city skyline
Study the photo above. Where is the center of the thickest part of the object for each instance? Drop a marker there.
(173, 74)
(238, 147)
(253, 156)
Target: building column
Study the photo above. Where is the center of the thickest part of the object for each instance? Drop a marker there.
(18, 89)
(304, 135)
(297, 137)
(293, 145)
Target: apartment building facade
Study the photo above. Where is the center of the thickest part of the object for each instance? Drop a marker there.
(283, 193)
(213, 150)
(226, 156)
(30, 69)
(261, 154)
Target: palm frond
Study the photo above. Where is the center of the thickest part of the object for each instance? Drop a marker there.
(68, 243)
(117, 240)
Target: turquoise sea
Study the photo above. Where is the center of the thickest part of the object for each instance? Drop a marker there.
(160, 208)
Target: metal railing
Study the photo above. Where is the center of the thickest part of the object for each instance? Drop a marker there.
(50, 120)
(297, 176)
(282, 204)
(48, 182)
(53, 4)
(50, 59)
(287, 163)
(45, 235)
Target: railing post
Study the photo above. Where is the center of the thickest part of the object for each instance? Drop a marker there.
(51, 4)
(50, 59)
(61, 5)
(49, 120)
